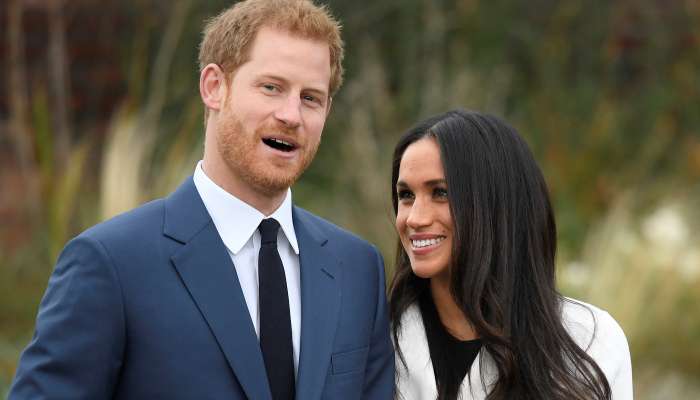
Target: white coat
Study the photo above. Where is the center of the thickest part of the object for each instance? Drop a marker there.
(592, 328)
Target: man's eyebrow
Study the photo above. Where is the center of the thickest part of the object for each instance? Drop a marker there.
(272, 77)
(316, 90)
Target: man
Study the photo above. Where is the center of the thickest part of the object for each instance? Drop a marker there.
(224, 290)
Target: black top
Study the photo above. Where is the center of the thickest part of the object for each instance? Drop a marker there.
(452, 358)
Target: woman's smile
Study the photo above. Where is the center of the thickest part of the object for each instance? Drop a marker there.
(423, 218)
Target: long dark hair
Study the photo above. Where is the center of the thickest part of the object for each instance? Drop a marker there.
(502, 265)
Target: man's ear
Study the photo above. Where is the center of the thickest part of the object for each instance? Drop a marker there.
(213, 87)
(328, 107)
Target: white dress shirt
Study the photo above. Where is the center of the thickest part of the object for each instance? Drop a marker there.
(237, 223)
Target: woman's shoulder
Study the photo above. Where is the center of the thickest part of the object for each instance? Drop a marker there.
(590, 325)
(599, 334)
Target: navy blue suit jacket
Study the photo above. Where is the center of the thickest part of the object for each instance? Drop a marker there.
(148, 306)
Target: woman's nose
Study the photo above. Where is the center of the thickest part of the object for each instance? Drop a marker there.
(419, 215)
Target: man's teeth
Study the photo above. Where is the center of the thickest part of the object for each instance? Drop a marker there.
(282, 142)
(426, 242)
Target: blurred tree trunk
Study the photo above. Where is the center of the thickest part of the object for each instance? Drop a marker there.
(59, 81)
(433, 44)
(160, 75)
(370, 105)
(18, 105)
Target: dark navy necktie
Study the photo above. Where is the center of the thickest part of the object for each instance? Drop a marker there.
(275, 323)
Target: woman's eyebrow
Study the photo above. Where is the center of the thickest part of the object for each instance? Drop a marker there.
(436, 182)
(432, 182)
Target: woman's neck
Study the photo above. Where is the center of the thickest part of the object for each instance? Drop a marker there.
(449, 312)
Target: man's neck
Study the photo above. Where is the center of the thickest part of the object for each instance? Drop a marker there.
(264, 202)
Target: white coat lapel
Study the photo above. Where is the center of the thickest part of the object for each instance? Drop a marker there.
(416, 381)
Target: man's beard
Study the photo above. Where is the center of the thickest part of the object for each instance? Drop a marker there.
(238, 150)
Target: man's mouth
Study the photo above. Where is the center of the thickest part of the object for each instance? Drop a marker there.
(279, 144)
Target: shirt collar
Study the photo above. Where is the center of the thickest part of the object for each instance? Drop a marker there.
(235, 220)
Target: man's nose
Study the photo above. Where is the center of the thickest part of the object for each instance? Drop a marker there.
(289, 112)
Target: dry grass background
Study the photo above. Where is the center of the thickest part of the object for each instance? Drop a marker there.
(622, 159)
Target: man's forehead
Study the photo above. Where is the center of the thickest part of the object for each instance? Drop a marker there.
(267, 34)
(277, 54)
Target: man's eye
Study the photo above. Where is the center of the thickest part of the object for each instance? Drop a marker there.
(312, 99)
(404, 194)
(269, 87)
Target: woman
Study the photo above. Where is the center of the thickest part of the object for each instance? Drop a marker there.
(474, 305)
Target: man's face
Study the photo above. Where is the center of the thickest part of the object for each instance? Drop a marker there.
(270, 124)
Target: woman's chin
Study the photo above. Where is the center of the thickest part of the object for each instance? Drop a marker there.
(425, 272)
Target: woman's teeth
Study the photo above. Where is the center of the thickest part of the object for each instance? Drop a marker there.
(426, 242)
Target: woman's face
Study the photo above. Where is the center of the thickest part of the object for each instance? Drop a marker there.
(423, 218)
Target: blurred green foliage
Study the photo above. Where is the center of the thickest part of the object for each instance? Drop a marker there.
(606, 93)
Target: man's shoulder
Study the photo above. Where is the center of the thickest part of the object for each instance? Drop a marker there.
(330, 230)
(134, 224)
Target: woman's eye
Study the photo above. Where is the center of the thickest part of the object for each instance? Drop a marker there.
(404, 194)
(440, 192)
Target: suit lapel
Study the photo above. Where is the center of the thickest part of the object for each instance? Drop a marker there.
(206, 269)
(320, 304)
